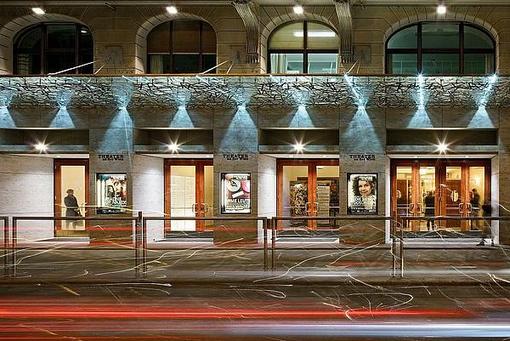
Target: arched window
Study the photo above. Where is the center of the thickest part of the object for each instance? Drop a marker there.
(303, 47)
(52, 47)
(181, 46)
(440, 48)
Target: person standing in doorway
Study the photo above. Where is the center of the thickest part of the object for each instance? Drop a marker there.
(72, 209)
(429, 202)
(475, 207)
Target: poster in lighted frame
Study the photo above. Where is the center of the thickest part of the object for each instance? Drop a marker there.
(362, 193)
(235, 193)
(111, 192)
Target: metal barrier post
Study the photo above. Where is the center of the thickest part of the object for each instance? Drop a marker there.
(393, 248)
(273, 243)
(6, 245)
(14, 237)
(401, 249)
(144, 248)
(138, 226)
(265, 221)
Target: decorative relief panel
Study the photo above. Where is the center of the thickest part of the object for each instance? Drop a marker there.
(257, 91)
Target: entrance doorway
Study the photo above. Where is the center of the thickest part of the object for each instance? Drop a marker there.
(428, 188)
(71, 174)
(189, 186)
(307, 188)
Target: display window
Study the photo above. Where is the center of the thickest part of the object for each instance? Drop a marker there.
(307, 188)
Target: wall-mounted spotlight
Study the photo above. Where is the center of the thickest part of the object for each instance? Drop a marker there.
(298, 147)
(172, 9)
(173, 147)
(298, 9)
(441, 9)
(41, 147)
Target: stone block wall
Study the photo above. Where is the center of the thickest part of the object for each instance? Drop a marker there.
(120, 32)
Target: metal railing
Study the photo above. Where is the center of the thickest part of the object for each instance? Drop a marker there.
(14, 233)
(265, 225)
(6, 245)
(393, 230)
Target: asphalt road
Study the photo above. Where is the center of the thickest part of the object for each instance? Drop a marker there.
(162, 311)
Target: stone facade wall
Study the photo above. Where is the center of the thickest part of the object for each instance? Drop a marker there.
(120, 31)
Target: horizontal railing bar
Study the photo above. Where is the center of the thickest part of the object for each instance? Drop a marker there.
(207, 218)
(454, 218)
(336, 218)
(75, 218)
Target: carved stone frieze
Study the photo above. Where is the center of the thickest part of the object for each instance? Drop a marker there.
(259, 90)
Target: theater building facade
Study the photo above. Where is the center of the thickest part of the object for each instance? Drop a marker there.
(248, 109)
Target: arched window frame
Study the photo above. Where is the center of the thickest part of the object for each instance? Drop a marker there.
(44, 50)
(419, 51)
(305, 50)
(171, 51)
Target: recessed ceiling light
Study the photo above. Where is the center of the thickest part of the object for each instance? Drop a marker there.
(298, 147)
(441, 9)
(38, 10)
(442, 147)
(41, 147)
(171, 9)
(298, 9)
(173, 147)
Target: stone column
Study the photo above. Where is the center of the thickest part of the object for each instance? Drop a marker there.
(236, 151)
(362, 150)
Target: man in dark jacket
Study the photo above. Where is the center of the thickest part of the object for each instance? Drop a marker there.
(429, 210)
(72, 209)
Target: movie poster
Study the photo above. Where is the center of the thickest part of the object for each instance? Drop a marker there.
(362, 194)
(111, 192)
(235, 193)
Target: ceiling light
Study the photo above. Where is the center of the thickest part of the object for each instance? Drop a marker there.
(38, 10)
(298, 9)
(441, 9)
(41, 147)
(298, 147)
(173, 147)
(442, 147)
(171, 9)
(315, 34)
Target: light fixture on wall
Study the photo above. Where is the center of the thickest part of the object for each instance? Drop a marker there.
(38, 10)
(172, 9)
(41, 147)
(441, 8)
(298, 9)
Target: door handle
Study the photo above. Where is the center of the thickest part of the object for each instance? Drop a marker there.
(461, 207)
(469, 208)
(205, 207)
(418, 208)
(194, 208)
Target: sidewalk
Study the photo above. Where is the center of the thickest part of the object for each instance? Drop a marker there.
(457, 263)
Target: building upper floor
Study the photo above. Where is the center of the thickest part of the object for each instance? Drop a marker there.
(255, 36)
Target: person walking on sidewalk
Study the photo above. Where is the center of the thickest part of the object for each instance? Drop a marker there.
(486, 228)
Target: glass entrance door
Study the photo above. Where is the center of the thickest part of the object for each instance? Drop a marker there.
(429, 188)
(71, 196)
(188, 193)
(307, 188)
